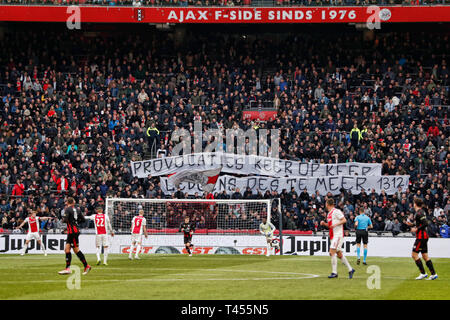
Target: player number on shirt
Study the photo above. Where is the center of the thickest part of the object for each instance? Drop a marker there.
(100, 222)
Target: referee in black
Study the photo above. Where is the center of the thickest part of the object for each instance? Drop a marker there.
(362, 224)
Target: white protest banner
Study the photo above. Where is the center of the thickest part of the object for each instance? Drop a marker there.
(247, 165)
(207, 178)
(333, 184)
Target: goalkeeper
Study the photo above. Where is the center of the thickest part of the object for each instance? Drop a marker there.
(267, 229)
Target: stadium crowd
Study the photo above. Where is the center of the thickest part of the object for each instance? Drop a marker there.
(75, 110)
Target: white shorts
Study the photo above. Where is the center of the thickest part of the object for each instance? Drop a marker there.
(336, 243)
(269, 237)
(136, 238)
(101, 240)
(33, 235)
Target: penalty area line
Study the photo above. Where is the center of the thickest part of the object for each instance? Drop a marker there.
(162, 280)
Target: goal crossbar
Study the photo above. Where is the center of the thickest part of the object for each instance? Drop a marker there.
(268, 201)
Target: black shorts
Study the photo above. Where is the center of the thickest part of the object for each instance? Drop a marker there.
(421, 245)
(362, 235)
(187, 239)
(72, 239)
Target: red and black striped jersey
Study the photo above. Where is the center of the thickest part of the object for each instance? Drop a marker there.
(421, 224)
(71, 218)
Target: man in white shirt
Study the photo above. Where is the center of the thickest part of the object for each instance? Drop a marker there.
(438, 211)
(103, 228)
(138, 226)
(33, 231)
(335, 222)
(389, 106)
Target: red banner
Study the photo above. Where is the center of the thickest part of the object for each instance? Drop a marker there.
(118, 14)
(267, 115)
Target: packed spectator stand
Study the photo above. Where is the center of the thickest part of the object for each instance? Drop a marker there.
(76, 109)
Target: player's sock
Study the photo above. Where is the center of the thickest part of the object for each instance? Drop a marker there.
(358, 252)
(68, 259)
(43, 248)
(131, 250)
(25, 247)
(420, 266)
(365, 254)
(80, 256)
(334, 264)
(268, 248)
(99, 250)
(278, 249)
(105, 255)
(188, 249)
(345, 261)
(430, 267)
(138, 250)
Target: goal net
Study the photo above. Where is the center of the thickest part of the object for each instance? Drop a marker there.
(164, 216)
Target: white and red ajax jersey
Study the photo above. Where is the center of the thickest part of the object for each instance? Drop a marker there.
(333, 217)
(102, 225)
(137, 224)
(33, 224)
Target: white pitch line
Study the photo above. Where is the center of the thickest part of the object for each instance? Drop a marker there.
(299, 277)
(227, 270)
(163, 280)
(259, 271)
(184, 279)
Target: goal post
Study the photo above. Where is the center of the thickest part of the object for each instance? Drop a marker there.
(211, 216)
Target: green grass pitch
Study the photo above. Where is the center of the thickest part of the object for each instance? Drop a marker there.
(221, 277)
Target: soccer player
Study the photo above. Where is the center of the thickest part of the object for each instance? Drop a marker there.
(102, 229)
(72, 218)
(267, 229)
(33, 231)
(138, 225)
(188, 230)
(421, 244)
(335, 222)
(362, 224)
